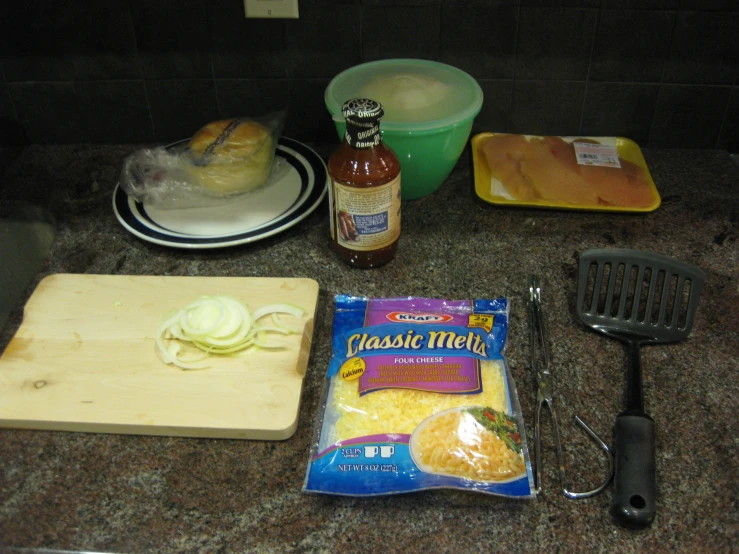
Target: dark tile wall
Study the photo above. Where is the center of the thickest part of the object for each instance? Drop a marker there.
(662, 72)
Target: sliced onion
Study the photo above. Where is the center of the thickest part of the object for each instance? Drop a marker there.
(220, 325)
(177, 333)
(261, 341)
(291, 309)
(278, 323)
(232, 350)
(197, 318)
(267, 329)
(161, 334)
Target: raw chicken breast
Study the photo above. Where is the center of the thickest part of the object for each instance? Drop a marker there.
(546, 169)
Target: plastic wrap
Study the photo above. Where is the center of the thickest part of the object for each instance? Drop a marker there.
(574, 173)
(418, 396)
(223, 159)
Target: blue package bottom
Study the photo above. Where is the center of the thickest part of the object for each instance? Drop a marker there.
(382, 464)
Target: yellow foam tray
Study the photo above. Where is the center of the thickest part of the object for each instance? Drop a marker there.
(486, 189)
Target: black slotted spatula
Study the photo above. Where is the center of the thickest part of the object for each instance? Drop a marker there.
(637, 298)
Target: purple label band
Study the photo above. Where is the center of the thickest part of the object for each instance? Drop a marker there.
(420, 310)
(444, 374)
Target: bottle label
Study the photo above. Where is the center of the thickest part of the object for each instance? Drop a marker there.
(366, 219)
(362, 134)
(362, 117)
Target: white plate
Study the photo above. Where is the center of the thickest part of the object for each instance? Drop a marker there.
(251, 217)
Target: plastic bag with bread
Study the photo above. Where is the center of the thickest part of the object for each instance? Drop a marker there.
(222, 159)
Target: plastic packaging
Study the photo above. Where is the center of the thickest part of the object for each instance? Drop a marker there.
(418, 396)
(223, 159)
(577, 173)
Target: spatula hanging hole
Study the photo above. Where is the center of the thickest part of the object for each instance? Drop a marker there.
(638, 502)
(630, 292)
(672, 301)
(643, 294)
(682, 316)
(660, 295)
(603, 289)
(617, 288)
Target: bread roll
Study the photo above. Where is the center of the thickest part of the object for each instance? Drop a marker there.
(232, 156)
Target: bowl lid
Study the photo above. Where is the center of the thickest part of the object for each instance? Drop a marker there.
(416, 95)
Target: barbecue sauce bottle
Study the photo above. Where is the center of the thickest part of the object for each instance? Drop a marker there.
(364, 191)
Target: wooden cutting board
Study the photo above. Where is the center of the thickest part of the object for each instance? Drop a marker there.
(84, 359)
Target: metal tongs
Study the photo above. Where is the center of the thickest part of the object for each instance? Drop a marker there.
(540, 362)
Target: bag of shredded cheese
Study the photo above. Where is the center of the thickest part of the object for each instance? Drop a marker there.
(419, 397)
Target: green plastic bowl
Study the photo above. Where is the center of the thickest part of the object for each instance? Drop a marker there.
(429, 111)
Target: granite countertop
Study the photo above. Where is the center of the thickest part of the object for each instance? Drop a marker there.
(122, 493)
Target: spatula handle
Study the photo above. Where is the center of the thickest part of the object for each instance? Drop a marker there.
(634, 484)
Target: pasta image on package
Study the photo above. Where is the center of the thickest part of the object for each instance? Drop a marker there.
(418, 397)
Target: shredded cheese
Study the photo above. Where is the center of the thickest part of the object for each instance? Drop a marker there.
(402, 410)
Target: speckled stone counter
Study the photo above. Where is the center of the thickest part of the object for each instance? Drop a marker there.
(75, 491)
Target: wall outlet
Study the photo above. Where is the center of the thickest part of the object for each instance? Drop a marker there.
(287, 9)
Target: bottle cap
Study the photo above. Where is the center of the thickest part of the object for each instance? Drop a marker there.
(362, 109)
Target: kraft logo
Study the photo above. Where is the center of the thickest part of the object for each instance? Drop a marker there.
(403, 317)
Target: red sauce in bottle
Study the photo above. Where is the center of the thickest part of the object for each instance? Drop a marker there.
(364, 192)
